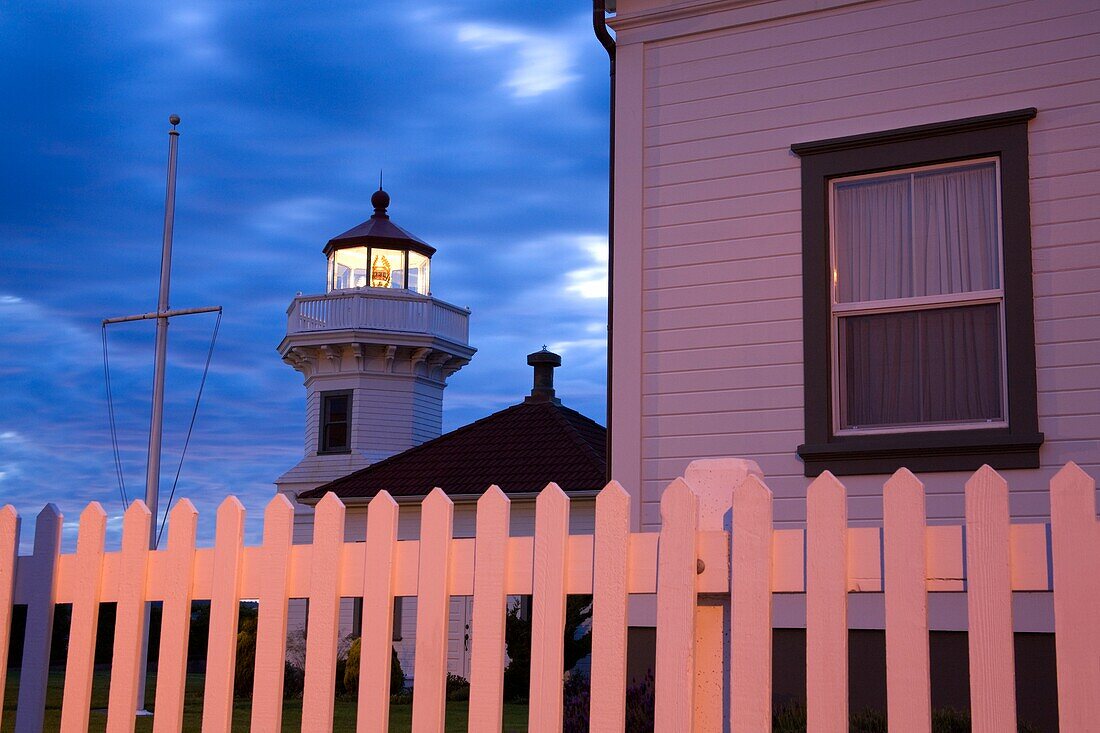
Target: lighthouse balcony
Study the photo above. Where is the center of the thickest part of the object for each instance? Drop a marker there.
(379, 309)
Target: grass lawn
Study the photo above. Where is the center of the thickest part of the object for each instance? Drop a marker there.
(515, 715)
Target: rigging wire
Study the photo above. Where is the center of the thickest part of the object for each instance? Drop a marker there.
(111, 418)
(190, 427)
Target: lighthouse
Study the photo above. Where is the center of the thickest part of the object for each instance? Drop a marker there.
(374, 350)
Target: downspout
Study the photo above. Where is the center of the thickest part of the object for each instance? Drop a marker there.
(599, 27)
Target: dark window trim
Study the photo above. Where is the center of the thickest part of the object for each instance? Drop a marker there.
(1017, 446)
(321, 451)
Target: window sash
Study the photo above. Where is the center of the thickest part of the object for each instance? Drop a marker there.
(841, 310)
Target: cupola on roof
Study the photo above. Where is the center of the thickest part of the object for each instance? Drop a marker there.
(379, 231)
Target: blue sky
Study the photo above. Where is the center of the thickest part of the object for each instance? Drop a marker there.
(489, 118)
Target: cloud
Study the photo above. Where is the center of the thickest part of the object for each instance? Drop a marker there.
(537, 62)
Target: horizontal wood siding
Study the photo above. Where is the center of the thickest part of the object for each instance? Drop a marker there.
(721, 248)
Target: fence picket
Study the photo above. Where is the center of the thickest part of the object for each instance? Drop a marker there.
(126, 663)
(610, 570)
(908, 693)
(676, 597)
(548, 610)
(826, 606)
(9, 554)
(1075, 538)
(34, 674)
(376, 648)
(225, 601)
(490, 608)
(989, 604)
(432, 613)
(751, 608)
(323, 622)
(175, 618)
(271, 620)
(80, 660)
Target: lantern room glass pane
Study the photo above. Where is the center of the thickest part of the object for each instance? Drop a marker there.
(387, 268)
(418, 273)
(349, 268)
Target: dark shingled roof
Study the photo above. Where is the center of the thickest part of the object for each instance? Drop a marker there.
(520, 449)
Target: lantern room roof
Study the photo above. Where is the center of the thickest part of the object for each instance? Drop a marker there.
(379, 231)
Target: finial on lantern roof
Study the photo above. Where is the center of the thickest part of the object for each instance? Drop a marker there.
(380, 201)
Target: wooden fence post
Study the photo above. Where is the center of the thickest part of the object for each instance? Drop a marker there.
(713, 481)
(271, 618)
(677, 573)
(90, 549)
(908, 690)
(225, 602)
(433, 601)
(750, 673)
(376, 644)
(989, 604)
(1075, 537)
(9, 555)
(826, 606)
(490, 609)
(175, 618)
(323, 623)
(610, 570)
(548, 610)
(126, 664)
(34, 676)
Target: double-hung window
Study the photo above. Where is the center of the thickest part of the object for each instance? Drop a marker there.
(919, 346)
(335, 423)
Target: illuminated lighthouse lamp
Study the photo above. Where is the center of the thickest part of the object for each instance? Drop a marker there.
(379, 254)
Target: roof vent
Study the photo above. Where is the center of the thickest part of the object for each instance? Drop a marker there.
(544, 363)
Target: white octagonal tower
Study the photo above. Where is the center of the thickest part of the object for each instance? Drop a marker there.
(375, 351)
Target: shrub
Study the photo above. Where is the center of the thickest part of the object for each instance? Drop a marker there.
(458, 688)
(294, 680)
(351, 670)
(246, 657)
(517, 637)
(640, 706)
(575, 703)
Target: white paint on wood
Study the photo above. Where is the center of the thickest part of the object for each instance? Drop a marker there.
(489, 611)
(826, 606)
(40, 574)
(908, 691)
(611, 568)
(432, 612)
(126, 662)
(9, 552)
(676, 588)
(323, 625)
(750, 667)
(178, 571)
(548, 610)
(225, 600)
(373, 714)
(271, 621)
(989, 604)
(80, 661)
(1076, 549)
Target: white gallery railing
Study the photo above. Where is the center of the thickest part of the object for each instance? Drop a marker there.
(713, 668)
(377, 309)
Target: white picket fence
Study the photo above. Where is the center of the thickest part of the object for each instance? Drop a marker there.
(698, 685)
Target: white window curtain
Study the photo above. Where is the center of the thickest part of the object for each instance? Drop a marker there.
(913, 235)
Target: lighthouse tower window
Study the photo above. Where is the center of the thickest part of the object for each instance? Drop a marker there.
(335, 428)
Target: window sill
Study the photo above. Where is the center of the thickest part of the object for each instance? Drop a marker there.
(945, 450)
(334, 452)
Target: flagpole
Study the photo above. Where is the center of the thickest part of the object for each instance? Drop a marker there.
(156, 419)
